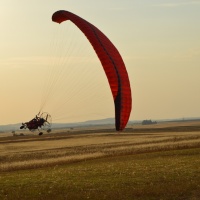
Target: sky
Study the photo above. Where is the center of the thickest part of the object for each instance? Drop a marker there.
(43, 63)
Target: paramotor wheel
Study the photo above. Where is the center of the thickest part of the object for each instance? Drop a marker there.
(40, 133)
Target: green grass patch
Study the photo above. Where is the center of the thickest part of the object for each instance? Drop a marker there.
(163, 175)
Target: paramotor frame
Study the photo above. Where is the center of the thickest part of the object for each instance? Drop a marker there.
(42, 121)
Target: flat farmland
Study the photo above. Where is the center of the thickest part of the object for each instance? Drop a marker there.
(158, 161)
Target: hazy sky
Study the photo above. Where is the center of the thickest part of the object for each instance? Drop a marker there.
(159, 41)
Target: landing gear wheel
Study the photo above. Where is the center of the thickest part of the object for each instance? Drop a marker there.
(40, 133)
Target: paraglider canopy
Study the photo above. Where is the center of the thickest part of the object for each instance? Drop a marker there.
(112, 64)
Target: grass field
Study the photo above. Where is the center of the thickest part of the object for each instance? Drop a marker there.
(144, 162)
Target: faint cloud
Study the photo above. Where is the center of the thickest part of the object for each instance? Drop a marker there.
(21, 62)
(120, 8)
(178, 4)
(194, 52)
(187, 55)
(43, 61)
(190, 54)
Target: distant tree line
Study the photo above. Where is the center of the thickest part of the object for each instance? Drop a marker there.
(147, 122)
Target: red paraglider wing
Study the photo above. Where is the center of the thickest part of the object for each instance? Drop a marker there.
(112, 63)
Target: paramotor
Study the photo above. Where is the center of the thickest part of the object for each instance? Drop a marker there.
(39, 122)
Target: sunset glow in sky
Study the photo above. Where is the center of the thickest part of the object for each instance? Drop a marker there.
(158, 40)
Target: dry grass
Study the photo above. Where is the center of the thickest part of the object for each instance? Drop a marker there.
(166, 175)
(140, 163)
(28, 152)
